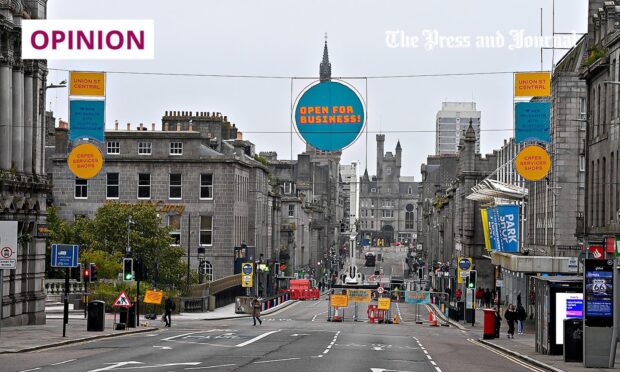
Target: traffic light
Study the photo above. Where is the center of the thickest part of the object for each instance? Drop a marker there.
(93, 272)
(86, 274)
(140, 273)
(128, 269)
(76, 273)
(472, 279)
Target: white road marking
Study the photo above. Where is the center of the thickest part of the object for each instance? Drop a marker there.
(208, 367)
(113, 366)
(32, 369)
(433, 362)
(66, 361)
(429, 357)
(256, 338)
(163, 347)
(331, 344)
(161, 365)
(427, 354)
(509, 357)
(300, 334)
(276, 360)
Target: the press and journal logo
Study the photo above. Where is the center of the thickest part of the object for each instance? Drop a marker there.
(88, 39)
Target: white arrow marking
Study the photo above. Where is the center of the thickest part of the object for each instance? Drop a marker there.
(114, 365)
(256, 338)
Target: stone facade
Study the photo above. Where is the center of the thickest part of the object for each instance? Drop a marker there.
(450, 224)
(602, 192)
(23, 182)
(200, 174)
(388, 201)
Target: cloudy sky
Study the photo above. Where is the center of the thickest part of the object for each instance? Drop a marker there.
(285, 38)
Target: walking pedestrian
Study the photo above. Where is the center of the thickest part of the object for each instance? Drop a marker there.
(510, 315)
(487, 298)
(498, 322)
(169, 307)
(256, 311)
(479, 297)
(521, 316)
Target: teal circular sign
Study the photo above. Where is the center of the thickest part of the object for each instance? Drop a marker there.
(329, 115)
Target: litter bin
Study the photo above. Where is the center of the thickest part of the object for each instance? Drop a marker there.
(96, 316)
(488, 332)
(128, 316)
(573, 340)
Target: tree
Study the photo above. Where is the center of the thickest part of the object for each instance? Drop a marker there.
(104, 241)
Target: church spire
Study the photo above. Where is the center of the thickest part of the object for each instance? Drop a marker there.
(325, 69)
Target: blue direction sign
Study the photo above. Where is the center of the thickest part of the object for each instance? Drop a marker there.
(65, 255)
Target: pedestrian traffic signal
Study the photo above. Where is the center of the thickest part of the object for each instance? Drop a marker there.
(93, 272)
(472, 279)
(128, 269)
(86, 274)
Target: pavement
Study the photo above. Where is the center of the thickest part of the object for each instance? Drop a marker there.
(49, 335)
(522, 346)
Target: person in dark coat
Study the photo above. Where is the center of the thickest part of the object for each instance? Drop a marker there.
(498, 322)
(256, 311)
(487, 298)
(521, 316)
(169, 307)
(511, 316)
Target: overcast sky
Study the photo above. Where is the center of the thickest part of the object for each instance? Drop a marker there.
(285, 38)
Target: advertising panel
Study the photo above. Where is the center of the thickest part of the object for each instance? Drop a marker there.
(532, 121)
(83, 83)
(493, 229)
(329, 115)
(567, 305)
(533, 84)
(417, 297)
(86, 119)
(485, 229)
(508, 226)
(533, 163)
(599, 293)
(85, 161)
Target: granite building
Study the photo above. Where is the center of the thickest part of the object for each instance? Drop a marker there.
(388, 201)
(23, 181)
(199, 173)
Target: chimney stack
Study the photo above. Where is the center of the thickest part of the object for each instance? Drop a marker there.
(115, 124)
(178, 127)
(128, 126)
(141, 126)
(153, 127)
(166, 126)
(190, 128)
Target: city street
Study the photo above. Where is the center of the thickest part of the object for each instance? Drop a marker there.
(297, 338)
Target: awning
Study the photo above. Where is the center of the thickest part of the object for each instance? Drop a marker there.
(489, 190)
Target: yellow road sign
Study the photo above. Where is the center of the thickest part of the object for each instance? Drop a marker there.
(339, 300)
(153, 297)
(358, 295)
(384, 303)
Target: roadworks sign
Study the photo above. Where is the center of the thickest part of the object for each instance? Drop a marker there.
(122, 300)
(153, 297)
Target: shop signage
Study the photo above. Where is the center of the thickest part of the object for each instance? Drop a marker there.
(86, 119)
(533, 84)
(82, 83)
(599, 293)
(533, 163)
(85, 161)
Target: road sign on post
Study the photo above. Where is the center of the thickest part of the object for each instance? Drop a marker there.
(247, 275)
(8, 245)
(122, 300)
(65, 255)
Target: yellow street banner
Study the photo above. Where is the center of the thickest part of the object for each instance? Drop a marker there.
(339, 300)
(533, 84)
(485, 229)
(85, 161)
(90, 84)
(153, 297)
(384, 303)
(359, 295)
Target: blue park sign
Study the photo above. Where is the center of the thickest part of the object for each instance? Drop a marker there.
(329, 115)
(65, 255)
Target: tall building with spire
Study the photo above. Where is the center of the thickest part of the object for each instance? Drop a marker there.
(325, 68)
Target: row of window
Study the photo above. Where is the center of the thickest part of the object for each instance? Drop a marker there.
(175, 186)
(144, 148)
(206, 229)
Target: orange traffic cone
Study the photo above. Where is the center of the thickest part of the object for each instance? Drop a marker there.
(434, 321)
